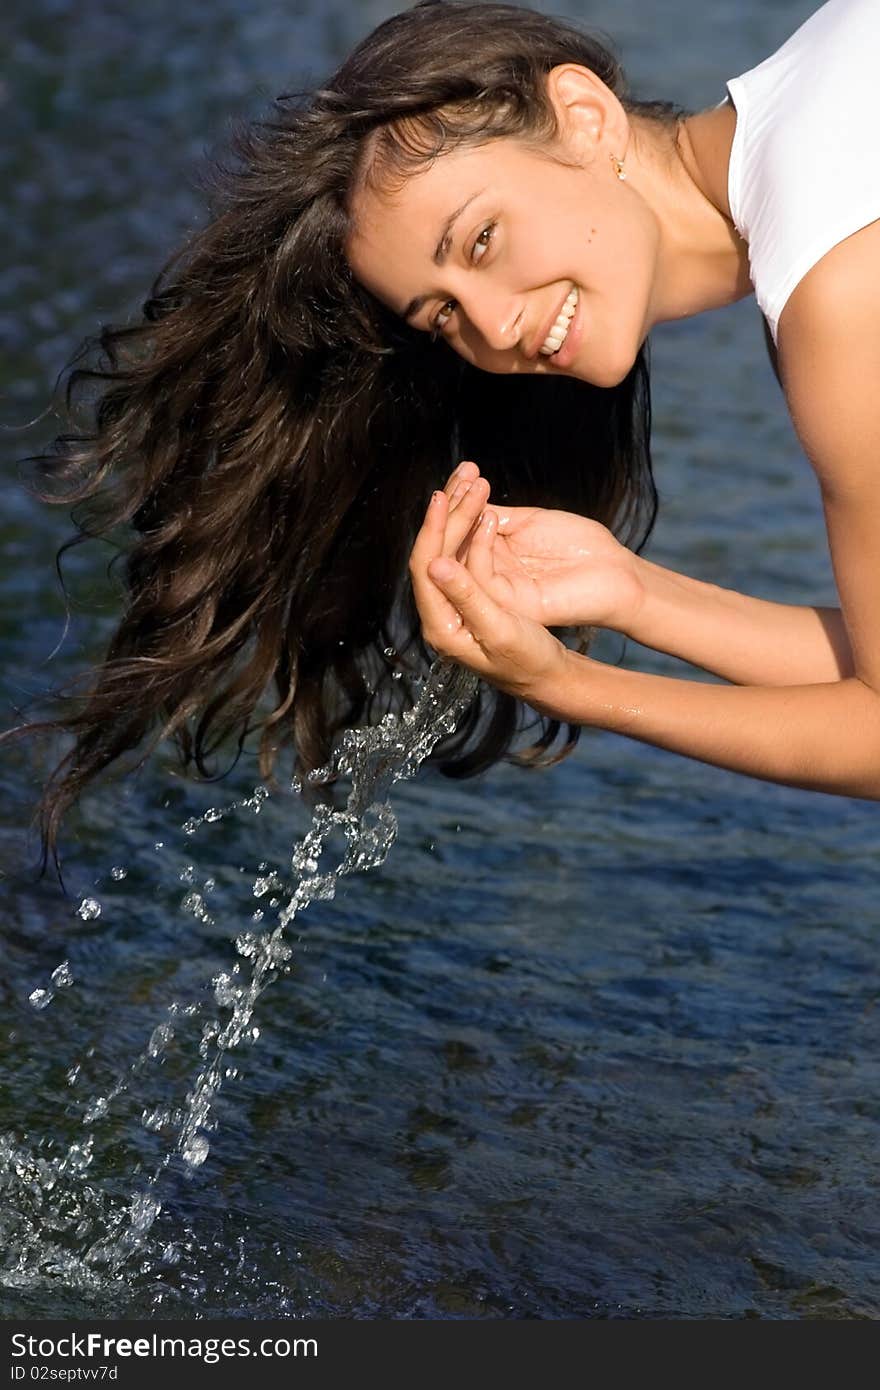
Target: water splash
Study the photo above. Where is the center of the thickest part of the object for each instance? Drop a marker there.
(375, 759)
(61, 978)
(55, 1222)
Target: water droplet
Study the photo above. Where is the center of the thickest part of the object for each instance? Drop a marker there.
(89, 909)
(73, 1074)
(62, 975)
(213, 814)
(187, 874)
(195, 1150)
(40, 998)
(118, 872)
(190, 826)
(143, 1212)
(302, 860)
(160, 844)
(96, 1110)
(195, 903)
(209, 885)
(225, 992)
(159, 1039)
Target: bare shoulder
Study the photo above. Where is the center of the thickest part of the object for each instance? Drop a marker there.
(829, 354)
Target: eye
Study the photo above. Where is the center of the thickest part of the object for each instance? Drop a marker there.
(487, 232)
(442, 318)
(440, 322)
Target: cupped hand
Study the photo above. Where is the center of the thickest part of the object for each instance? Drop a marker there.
(460, 620)
(555, 567)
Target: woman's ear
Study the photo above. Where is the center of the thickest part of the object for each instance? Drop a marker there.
(589, 117)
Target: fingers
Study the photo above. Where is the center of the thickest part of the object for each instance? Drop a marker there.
(449, 523)
(434, 607)
(466, 472)
(486, 622)
(466, 503)
(519, 656)
(481, 549)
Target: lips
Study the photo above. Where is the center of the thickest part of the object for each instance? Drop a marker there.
(537, 343)
(565, 355)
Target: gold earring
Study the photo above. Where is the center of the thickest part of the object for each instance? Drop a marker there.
(618, 166)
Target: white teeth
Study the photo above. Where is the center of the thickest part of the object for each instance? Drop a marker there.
(557, 335)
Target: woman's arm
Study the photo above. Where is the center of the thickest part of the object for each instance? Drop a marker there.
(564, 570)
(749, 641)
(823, 737)
(819, 736)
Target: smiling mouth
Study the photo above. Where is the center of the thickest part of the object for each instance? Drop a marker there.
(559, 332)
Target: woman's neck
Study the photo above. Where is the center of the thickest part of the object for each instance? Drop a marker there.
(702, 261)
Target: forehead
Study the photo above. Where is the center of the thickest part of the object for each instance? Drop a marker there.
(400, 227)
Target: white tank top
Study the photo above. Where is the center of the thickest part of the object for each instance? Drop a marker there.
(805, 161)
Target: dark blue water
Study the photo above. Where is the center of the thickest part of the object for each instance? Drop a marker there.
(597, 1041)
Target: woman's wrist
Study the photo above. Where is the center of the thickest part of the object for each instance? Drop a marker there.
(559, 693)
(663, 603)
(622, 612)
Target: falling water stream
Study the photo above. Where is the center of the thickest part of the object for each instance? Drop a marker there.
(56, 1221)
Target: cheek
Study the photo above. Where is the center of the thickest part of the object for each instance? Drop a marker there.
(614, 332)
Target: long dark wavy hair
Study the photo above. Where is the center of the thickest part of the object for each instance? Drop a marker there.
(267, 435)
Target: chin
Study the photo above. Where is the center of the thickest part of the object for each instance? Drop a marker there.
(607, 380)
(613, 372)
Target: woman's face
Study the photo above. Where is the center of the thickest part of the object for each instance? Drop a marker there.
(528, 230)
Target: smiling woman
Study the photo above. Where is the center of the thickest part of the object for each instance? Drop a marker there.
(535, 240)
(457, 248)
(747, 209)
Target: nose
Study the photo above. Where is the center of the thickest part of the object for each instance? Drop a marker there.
(495, 315)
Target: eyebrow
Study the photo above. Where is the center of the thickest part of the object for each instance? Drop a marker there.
(441, 251)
